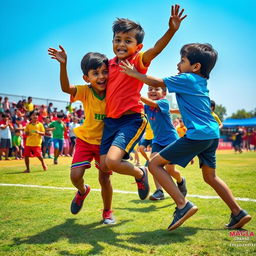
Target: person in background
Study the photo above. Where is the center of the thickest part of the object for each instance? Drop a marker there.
(29, 106)
(47, 141)
(74, 124)
(34, 132)
(216, 117)
(58, 128)
(5, 136)
(17, 144)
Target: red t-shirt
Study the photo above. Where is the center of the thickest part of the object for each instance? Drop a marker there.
(123, 91)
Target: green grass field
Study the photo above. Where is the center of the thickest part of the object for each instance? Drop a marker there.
(37, 221)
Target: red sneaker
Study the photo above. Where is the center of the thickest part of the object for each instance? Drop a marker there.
(108, 217)
(78, 200)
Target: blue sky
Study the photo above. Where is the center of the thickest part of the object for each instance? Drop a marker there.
(29, 27)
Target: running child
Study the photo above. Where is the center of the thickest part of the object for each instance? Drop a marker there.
(202, 137)
(87, 147)
(124, 124)
(34, 132)
(157, 109)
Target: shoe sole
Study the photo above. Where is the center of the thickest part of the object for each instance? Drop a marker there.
(241, 223)
(88, 189)
(155, 199)
(190, 213)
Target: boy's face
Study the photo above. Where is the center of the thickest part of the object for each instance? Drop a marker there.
(34, 117)
(184, 66)
(98, 78)
(125, 44)
(155, 93)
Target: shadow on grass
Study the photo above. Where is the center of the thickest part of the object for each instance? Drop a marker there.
(93, 234)
(149, 208)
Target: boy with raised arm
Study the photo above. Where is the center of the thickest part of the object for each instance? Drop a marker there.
(124, 124)
(202, 137)
(95, 73)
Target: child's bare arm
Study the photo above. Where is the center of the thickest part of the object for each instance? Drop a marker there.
(130, 70)
(61, 57)
(174, 24)
(149, 102)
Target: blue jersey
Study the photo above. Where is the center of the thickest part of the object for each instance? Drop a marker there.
(160, 122)
(194, 104)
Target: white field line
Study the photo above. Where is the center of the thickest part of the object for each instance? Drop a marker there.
(116, 191)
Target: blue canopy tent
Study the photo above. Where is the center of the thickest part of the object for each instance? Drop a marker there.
(247, 122)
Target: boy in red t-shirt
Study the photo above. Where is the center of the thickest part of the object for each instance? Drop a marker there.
(124, 124)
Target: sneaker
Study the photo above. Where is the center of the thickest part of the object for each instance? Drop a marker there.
(182, 187)
(108, 218)
(50, 157)
(239, 220)
(158, 195)
(55, 161)
(78, 200)
(143, 186)
(180, 215)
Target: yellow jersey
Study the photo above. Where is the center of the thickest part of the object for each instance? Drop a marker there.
(34, 139)
(94, 108)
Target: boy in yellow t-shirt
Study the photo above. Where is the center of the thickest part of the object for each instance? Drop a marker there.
(34, 131)
(87, 148)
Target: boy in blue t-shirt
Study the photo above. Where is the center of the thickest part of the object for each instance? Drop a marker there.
(157, 109)
(202, 137)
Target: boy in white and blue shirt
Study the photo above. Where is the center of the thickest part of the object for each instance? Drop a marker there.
(202, 137)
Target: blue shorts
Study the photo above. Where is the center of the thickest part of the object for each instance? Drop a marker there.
(157, 147)
(47, 142)
(124, 132)
(58, 144)
(145, 143)
(183, 150)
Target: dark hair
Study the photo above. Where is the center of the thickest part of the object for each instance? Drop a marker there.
(17, 130)
(33, 112)
(125, 25)
(93, 60)
(60, 115)
(213, 104)
(202, 53)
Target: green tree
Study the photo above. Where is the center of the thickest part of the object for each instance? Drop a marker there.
(220, 111)
(242, 113)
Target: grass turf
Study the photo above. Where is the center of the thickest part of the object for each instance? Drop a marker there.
(37, 221)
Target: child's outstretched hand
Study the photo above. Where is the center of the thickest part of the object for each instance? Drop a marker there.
(128, 68)
(60, 56)
(176, 17)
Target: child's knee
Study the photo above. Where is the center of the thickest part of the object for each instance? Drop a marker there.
(104, 178)
(112, 164)
(76, 175)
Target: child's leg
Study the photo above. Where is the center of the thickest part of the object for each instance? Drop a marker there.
(115, 163)
(26, 159)
(106, 189)
(221, 188)
(76, 176)
(42, 162)
(143, 153)
(156, 167)
(170, 168)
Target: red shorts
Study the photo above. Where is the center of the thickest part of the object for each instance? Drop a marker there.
(85, 153)
(31, 151)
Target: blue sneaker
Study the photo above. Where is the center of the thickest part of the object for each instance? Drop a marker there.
(143, 186)
(158, 195)
(181, 215)
(239, 220)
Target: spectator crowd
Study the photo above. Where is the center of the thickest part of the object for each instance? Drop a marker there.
(14, 117)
